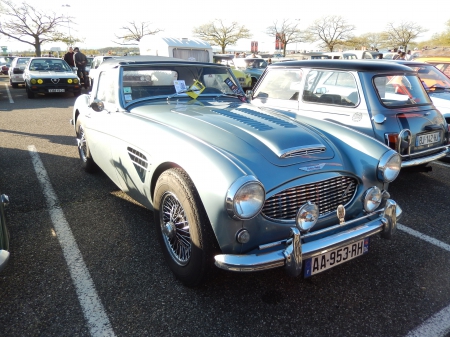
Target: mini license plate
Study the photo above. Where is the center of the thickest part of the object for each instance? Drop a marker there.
(56, 90)
(428, 138)
(333, 258)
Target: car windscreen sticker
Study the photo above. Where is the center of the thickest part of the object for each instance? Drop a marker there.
(127, 90)
(128, 97)
(180, 86)
(235, 89)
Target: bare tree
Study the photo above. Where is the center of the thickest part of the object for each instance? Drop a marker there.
(331, 31)
(29, 25)
(285, 32)
(442, 39)
(134, 32)
(218, 34)
(402, 34)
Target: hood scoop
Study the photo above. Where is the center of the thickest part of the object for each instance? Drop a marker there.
(303, 151)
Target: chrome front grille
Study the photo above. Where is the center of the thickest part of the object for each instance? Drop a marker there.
(327, 194)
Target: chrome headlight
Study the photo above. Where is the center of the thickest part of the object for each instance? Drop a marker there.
(307, 216)
(389, 166)
(245, 198)
(372, 199)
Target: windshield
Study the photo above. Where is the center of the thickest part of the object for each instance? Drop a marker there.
(432, 78)
(168, 81)
(400, 90)
(49, 65)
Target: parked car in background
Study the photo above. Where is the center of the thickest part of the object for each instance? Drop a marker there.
(4, 234)
(384, 100)
(349, 55)
(389, 55)
(442, 63)
(244, 78)
(95, 63)
(16, 71)
(48, 75)
(229, 183)
(436, 84)
(5, 62)
(251, 66)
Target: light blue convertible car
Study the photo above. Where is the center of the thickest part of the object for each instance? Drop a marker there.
(230, 184)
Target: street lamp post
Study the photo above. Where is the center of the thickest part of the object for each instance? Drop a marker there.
(68, 23)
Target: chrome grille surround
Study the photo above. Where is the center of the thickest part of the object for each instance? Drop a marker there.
(327, 194)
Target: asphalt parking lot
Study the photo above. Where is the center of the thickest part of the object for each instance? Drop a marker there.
(85, 260)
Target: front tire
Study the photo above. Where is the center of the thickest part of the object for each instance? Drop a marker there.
(83, 150)
(184, 231)
(30, 94)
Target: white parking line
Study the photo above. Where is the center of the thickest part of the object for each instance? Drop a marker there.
(424, 237)
(94, 313)
(9, 94)
(437, 325)
(441, 164)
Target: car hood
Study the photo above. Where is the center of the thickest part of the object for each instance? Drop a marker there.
(51, 74)
(441, 101)
(281, 140)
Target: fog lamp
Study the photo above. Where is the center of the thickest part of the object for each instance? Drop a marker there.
(307, 216)
(372, 199)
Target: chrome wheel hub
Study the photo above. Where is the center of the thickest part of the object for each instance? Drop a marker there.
(175, 229)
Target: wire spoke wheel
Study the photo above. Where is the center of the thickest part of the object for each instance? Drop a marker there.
(175, 229)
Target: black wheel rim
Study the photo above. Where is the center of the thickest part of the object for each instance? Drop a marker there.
(175, 229)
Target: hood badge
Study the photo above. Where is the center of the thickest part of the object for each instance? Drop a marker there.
(340, 212)
(55, 80)
(312, 167)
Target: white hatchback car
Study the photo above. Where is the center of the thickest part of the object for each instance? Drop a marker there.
(16, 70)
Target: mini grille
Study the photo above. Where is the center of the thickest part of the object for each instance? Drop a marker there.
(327, 194)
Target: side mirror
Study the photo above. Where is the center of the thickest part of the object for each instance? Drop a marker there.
(97, 105)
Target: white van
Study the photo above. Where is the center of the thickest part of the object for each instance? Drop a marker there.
(184, 48)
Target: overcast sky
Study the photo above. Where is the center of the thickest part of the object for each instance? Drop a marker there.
(98, 21)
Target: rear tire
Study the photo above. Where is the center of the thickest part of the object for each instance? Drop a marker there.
(87, 161)
(184, 231)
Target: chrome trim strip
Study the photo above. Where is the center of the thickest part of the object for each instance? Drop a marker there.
(424, 160)
(4, 257)
(293, 255)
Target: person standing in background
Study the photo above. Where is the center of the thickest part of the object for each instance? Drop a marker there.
(68, 57)
(80, 61)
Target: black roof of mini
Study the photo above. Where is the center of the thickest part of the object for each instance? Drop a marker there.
(357, 65)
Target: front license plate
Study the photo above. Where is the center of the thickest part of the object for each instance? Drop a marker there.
(56, 90)
(333, 258)
(428, 138)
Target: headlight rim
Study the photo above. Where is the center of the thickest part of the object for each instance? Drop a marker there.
(382, 165)
(234, 189)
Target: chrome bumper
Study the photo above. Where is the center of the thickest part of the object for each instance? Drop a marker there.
(427, 159)
(4, 257)
(292, 255)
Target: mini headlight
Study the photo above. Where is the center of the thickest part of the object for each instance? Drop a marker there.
(389, 166)
(75, 80)
(372, 199)
(307, 216)
(245, 198)
(69, 80)
(40, 81)
(33, 81)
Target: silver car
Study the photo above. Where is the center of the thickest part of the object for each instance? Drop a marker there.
(16, 71)
(230, 184)
(382, 99)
